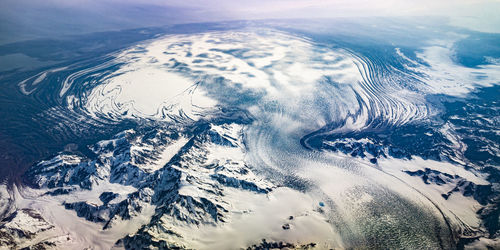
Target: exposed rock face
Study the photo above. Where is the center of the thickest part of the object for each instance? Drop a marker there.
(280, 245)
(14, 224)
(23, 229)
(482, 193)
(64, 170)
(191, 191)
(356, 153)
(184, 174)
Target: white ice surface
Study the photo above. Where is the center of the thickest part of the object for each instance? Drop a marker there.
(443, 75)
(255, 217)
(82, 233)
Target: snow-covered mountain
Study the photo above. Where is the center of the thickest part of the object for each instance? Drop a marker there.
(264, 136)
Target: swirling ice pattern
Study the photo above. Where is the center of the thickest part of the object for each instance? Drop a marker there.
(189, 76)
(291, 86)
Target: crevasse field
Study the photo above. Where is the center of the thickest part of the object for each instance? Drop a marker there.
(326, 134)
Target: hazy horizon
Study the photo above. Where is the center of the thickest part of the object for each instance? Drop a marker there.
(32, 19)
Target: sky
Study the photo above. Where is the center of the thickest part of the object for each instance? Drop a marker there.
(29, 19)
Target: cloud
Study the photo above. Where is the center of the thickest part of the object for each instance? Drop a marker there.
(25, 19)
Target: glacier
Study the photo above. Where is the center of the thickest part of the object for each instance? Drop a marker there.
(263, 136)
